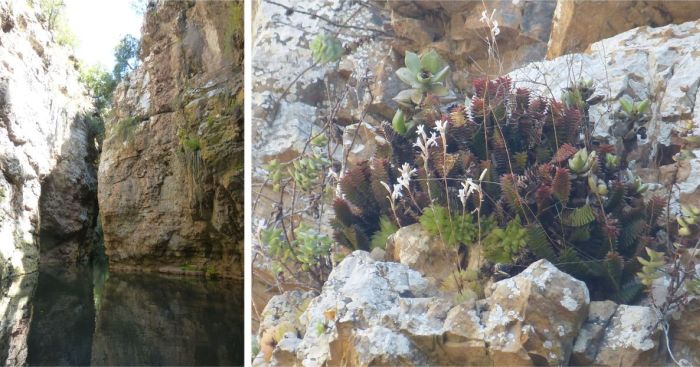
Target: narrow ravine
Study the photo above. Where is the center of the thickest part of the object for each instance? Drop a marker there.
(121, 213)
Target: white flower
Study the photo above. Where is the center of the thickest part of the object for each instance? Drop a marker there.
(462, 197)
(496, 31)
(440, 126)
(406, 173)
(433, 140)
(404, 182)
(395, 193)
(484, 18)
(424, 145)
(421, 130)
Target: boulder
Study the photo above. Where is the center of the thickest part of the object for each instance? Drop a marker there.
(534, 317)
(592, 332)
(372, 312)
(414, 247)
(685, 333)
(633, 338)
(367, 313)
(280, 326)
(579, 23)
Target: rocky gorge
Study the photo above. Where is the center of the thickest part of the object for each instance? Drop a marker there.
(386, 307)
(162, 194)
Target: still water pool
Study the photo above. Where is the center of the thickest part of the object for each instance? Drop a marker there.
(91, 317)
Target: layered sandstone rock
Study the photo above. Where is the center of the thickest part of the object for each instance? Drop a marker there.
(171, 170)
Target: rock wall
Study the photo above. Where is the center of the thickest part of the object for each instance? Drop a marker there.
(579, 23)
(48, 181)
(171, 170)
(15, 317)
(382, 313)
(659, 64)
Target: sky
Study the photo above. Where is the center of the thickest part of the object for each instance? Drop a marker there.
(99, 25)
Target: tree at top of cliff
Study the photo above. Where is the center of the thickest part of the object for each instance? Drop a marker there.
(126, 56)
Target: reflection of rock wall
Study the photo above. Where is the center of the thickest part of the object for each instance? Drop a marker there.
(63, 318)
(42, 134)
(15, 317)
(171, 170)
(161, 321)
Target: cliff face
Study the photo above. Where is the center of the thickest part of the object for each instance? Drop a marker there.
(171, 170)
(46, 148)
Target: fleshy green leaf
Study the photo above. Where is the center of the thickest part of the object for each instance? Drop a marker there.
(409, 77)
(412, 62)
(626, 106)
(432, 62)
(440, 75)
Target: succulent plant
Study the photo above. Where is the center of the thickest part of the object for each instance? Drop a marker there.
(689, 220)
(326, 48)
(651, 268)
(542, 196)
(582, 162)
(425, 74)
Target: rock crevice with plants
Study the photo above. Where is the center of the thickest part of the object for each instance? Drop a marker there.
(542, 217)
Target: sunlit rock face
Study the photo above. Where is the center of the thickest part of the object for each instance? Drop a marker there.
(42, 134)
(15, 317)
(171, 170)
(155, 320)
(658, 64)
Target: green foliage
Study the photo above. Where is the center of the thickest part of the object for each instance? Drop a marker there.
(652, 267)
(386, 229)
(503, 245)
(399, 122)
(100, 86)
(579, 208)
(425, 74)
(579, 217)
(452, 229)
(53, 12)
(465, 283)
(306, 170)
(688, 220)
(326, 48)
(309, 249)
(632, 109)
(124, 128)
(126, 56)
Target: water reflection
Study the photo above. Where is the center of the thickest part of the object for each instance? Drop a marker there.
(15, 316)
(90, 317)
